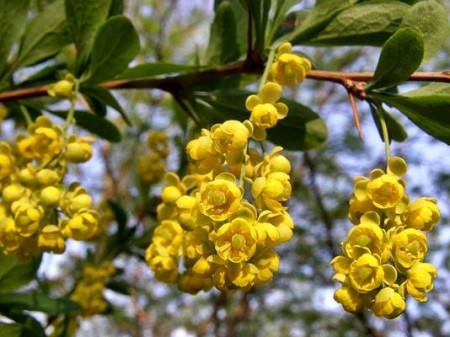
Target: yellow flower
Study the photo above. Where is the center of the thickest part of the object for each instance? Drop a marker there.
(78, 150)
(385, 191)
(10, 239)
(271, 190)
(242, 275)
(357, 207)
(173, 188)
(46, 177)
(169, 234)
(420, 280)
(192, 284)
(231, 138)
(220, 198)
(202, 153)
(274, 162)
(289, 69)
(158, 142)
(82, 225)
(50, 239)
(64, 88)
(50, 196)
(151, 168)
(189, 215)
(388, 303)
(236, 241)
(366, 273)
(409, 246)
(6, 160)
(368, 234)
(14, 192)
(351, 300)
(27, 216)
(163, 264)
(267, 261)
(75, 199)
(196, 245)
(423, 214)
(265, 110)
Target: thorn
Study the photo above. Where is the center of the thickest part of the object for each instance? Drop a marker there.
(355, 115)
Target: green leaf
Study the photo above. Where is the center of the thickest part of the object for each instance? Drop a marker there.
(15, 273)
(121, 216)
(430, 19)
(400, 57)
(427, 107)
(38, 302)
(12, 17)
(10, 330)
(97, 125)
(30, 326)
(301, 130)
(105, 97)
(368, 23)
(323, 12)
(118, 286)
(281, 8)
(154, 69)
(396, 131)
(223, 46)
(85, 18)
(116, 8)
(44, 76)
(45, 36)
(115, 46)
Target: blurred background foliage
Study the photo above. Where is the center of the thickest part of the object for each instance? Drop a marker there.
(298, 302)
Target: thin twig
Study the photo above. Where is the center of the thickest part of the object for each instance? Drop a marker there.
(174, 83)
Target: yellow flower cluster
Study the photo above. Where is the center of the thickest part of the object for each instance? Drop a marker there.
(288, 69)
(383, 254)
(37, 212)
(152, 166)
(88, 292)
(219, 225)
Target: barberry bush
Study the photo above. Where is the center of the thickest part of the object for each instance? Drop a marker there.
(259, 180)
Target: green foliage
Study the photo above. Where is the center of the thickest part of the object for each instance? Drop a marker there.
(400, 57)
(280, 8)
(10, 330)
(260, 16)
(396, 132)
(15, 273)
(430, 19)
(44, 37)
(103, 97)
(95, 124)
(37, 302)
(427, 107)
(85, 18)
(115, 46)
(318, 18)
(12, 17)
(301, 130)
(367, 23)
(223, 46)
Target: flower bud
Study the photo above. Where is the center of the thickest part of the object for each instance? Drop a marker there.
(50, 196)
(78, 152)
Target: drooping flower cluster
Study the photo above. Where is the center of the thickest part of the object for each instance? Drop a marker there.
(88, 292)
(383, 255)
(219, 225)
(151, 166)
(38, 212)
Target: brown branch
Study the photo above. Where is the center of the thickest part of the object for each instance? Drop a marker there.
(355, 115)
(352, 80)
